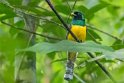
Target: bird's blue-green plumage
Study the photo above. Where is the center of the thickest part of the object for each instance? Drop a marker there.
(78, 22)
(78, 19)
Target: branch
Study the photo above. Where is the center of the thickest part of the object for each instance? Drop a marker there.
(42, 35)
(76, 76)
(92, 36)
(92, 27)
(42, 18)
(42, 8)
(68, 5)
(62, 21)
(68, 29)
(74, 4)
(71, 9)
(102, 67)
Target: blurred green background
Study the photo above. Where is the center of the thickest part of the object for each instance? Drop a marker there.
(104, 15)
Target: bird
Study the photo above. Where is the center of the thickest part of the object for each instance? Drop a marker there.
(78, 27)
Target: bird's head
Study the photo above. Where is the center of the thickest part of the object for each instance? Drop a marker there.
(78, 18)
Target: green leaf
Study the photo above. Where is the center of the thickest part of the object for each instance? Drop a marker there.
(113, 10)
(19, 24)
(51, 55)
(5, 9)
(97, 7)
(6, 12)
(52, 29)
(93, 34)
(70, 46)
(118, 54)
(118, 45)
(34, 2)
(15, 2)
(90, 13)
(91, 3)
(60, 9)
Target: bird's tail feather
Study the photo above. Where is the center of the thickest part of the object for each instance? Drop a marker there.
(70, 65)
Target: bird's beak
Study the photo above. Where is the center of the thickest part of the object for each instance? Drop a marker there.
(72, 14)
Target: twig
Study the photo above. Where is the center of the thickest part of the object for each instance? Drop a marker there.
(90, 60)
(120, 60)
(42, 8)
(71, 10)
(68, 29)
(76, 76)
(102, 67)
(74, 4)
(92, 27)
(92, 36)
(42, 18)
(42, 35)
(68, 5)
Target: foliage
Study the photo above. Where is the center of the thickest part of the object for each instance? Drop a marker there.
(105, 15)
(69, 46)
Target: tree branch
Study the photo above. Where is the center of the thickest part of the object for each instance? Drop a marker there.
(62, 21)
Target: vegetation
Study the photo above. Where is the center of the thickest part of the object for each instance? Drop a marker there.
(33, 45)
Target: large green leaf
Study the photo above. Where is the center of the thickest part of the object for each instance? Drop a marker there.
(118, 54)
(71, 46)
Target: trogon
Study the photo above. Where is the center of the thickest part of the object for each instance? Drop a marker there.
(78, 28)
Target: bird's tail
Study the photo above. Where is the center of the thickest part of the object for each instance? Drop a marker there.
(70, 65)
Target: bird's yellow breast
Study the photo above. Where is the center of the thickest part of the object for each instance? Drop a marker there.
(79, 32)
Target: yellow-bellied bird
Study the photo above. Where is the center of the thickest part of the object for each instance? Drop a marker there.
(78, 27)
